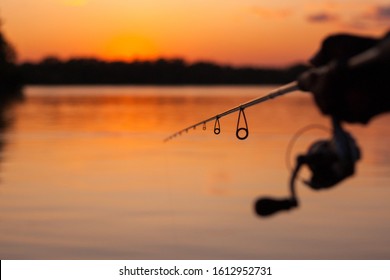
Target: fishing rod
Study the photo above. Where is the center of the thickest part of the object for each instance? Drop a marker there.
(380, 52)
(241, 132)
(329, 160)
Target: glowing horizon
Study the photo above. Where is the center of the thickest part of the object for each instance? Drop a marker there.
(225, 31)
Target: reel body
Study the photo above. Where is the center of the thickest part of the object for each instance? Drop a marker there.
(331, 161)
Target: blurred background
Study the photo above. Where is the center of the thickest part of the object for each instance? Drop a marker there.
(90, 89)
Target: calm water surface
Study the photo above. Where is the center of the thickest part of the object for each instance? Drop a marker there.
(84, 174)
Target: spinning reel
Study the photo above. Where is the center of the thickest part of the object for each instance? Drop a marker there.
(330, 161)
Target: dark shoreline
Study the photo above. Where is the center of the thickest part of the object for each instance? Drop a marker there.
(161, 72)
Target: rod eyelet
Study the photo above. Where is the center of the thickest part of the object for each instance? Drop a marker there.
(242, 137)
(217, 126)
(240, 129)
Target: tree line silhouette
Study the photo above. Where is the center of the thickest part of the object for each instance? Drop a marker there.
(10, 78)
(53, 71)
(83, 71)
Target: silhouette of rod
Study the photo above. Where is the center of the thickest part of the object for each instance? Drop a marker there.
(293, 86)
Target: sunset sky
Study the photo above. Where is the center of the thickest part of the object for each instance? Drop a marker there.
(237, 32)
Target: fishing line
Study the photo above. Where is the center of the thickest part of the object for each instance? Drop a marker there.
(296, 136)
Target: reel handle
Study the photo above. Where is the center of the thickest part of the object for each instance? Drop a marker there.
(268, 206)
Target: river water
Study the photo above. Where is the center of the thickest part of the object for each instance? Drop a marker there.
(85, 174)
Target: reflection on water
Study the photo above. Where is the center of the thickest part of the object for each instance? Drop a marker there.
(7, 100)
(87, 176)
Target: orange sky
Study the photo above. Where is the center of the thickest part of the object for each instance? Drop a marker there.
(239, 32)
